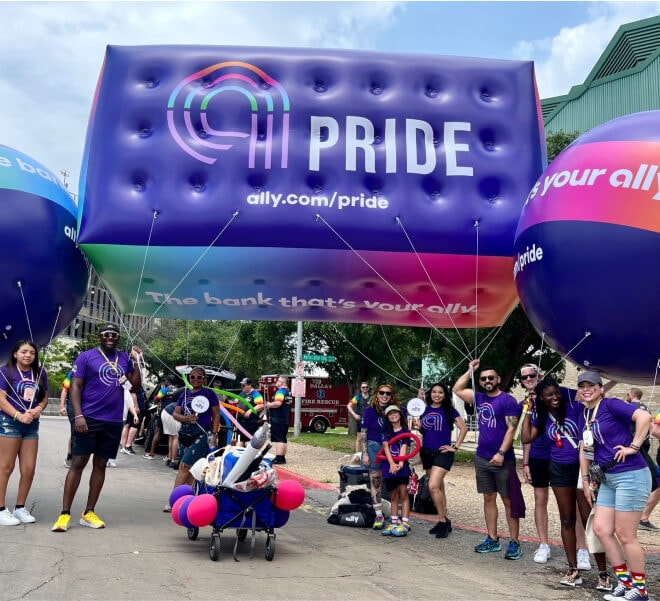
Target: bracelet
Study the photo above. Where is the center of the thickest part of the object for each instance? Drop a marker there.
(77, 416)
(586, 478)
(525, 464)
(453, 446)
(15, 414)
(634, 446)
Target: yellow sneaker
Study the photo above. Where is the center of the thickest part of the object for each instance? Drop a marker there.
(91, 520)
(62, 523)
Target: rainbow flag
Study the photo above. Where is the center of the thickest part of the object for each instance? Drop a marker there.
(161, 393)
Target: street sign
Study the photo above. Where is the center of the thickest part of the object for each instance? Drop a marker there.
(319, 358)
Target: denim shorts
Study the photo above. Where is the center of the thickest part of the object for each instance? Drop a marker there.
(198, 449)
(373, 448)
(625, 491)
(11, 428)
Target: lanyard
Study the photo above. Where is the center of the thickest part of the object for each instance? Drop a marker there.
(567, 436)
(110, 363)
(589, 420)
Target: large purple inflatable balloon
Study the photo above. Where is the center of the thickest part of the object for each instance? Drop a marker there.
(43, 274)
(301, 184)
(587, 249)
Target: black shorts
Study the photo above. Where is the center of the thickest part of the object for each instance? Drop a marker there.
(278, 432)
(564, 474)
(434, 458)
(249, 426)
(394, 482)
(539, 471)
(102, 439)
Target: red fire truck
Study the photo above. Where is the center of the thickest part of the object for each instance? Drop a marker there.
(322, 407)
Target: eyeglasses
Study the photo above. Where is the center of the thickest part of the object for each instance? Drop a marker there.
(487, 379)
(365, 388)
(528, 376)
(196, 377)
(384, 393)
(111, 335)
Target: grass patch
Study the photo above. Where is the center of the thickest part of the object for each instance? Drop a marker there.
(335, 440)
(338, 440)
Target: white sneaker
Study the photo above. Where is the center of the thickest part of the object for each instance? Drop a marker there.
(24, 516)
(123, 451)
(7, 519)
(112, 463)
(583, 562)
(542, 554)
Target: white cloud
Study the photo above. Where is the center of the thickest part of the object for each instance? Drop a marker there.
(51, 54)
(567, 58)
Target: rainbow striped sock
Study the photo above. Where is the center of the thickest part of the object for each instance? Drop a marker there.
(639, 581)
(623, 575)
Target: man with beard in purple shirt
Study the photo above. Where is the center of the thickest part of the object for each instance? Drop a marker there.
(498, 414)
(99, 377)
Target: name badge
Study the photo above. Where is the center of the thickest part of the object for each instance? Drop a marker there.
(28, 394)
(588, 438)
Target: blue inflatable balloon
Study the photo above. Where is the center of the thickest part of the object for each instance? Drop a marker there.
(587, 250)
(43, 274)
(306, 184)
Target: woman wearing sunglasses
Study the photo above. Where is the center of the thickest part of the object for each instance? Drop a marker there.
(373, 422)
(200, 423)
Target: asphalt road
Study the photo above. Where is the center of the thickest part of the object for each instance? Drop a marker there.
(143, 555)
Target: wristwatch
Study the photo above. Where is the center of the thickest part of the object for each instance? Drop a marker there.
(501, 452)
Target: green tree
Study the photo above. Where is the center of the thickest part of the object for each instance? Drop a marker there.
(556, 142)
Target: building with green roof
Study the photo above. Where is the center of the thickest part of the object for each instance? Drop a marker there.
(625, 80)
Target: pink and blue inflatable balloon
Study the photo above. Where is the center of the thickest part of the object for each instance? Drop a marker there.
(43, 274)
(305, 184)
(587, 250)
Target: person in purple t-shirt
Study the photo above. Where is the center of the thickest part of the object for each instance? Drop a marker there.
(559, 423)
(498, 413)
(99, 378)
(437, 453)
(200, 424)
(626, 484)
(371, 431)
(23, 397)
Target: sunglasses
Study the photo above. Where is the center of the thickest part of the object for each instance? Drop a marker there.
(384, 393)
(196, 377)
(528, 376)
(111, 335)
(487, 379)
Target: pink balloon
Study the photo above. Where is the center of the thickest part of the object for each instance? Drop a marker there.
(290, 495)
(176, 506)
(202, 510)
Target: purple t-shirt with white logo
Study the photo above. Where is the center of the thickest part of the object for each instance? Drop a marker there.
(492, 413)
(204, 419)
(435, 429)
(539, 447)
(102, 395)
(556, 434)
(395, 451)
(373, 423)
(610, 428)
(17, 384)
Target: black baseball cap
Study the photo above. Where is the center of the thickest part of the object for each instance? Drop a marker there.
(108, 327)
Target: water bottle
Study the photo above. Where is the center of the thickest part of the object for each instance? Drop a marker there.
(211, 442)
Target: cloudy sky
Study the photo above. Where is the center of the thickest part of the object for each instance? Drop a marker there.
(51, 52)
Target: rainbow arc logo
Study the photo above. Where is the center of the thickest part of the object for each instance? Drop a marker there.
(195, 110)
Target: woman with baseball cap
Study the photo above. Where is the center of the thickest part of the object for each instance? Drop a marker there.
(625, 484)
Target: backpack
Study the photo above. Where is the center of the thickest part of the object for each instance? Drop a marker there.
(423, 502)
